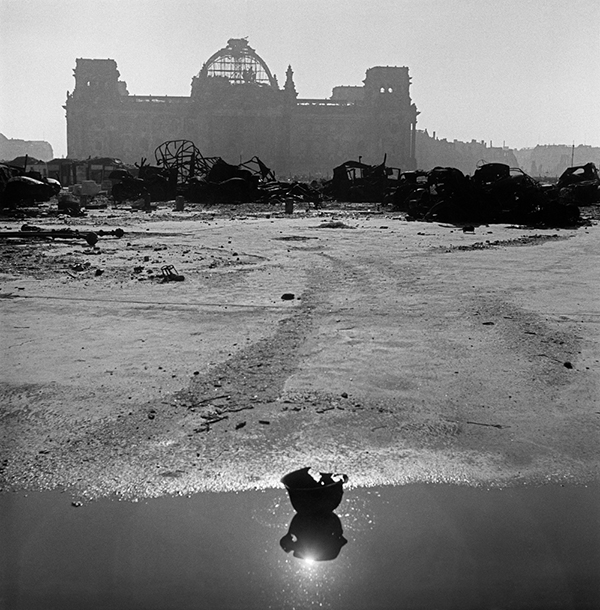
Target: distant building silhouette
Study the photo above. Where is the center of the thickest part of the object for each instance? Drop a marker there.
(11, 148)
(551, 160)
(465, 156)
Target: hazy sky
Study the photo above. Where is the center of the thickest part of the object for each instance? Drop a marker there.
(523, 72)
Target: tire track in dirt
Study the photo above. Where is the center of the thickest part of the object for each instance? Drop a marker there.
(167, 431)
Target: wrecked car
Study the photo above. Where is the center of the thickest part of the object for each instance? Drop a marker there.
(25, 190)
(510, 195)
(358, 182)
(506, 194)
(410, 188)
(443, 193)
(224, 183)
(153, 182)
(231, 190)
(580, 184)
(496, 193)
(127, 187)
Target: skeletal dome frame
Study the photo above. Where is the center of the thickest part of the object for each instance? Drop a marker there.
(239, 63)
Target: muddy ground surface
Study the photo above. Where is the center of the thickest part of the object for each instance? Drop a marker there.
(409, 352)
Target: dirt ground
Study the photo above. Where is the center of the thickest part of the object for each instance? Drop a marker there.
(409, 352)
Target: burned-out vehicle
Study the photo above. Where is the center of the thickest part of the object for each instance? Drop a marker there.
(451, 195)
(443, 193)
(152, 182)
(227, 183)
(496, 193)
(160, 182)
(356, 181)
(410, 187)
(506, 194)
(126, 187)
(580, 184)
(231, 190)
(510, 195)
(18, 189)
(6, 173)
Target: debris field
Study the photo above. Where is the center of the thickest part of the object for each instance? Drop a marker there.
(217, 346)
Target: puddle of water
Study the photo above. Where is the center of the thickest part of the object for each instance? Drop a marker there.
(417, 546)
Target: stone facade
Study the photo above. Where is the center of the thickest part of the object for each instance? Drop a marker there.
(237, 110)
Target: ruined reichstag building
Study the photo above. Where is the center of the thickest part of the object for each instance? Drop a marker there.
(237, 110)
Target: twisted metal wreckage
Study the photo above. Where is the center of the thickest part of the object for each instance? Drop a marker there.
(495, 193)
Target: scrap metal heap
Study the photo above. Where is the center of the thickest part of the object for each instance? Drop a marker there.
(496, 193)
(181, 169)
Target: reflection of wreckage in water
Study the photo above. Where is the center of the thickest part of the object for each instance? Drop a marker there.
(181, 169)
(495, 193)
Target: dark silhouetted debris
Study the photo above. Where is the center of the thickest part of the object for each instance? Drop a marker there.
(314, 492)
(580, 185)
(496, 193)
(114, 232)
(21, 188)
(29, 232)
(334, 224)
(476, 423)
(182, 170)
(325, 409)
(358, 182)
(128, 188)
(69, 204)
(169, 274)
(288, 296)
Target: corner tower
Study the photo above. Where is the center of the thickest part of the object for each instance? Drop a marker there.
(392, 116)
(96, 96)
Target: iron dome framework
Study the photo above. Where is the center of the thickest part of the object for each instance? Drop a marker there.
(239, 63)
